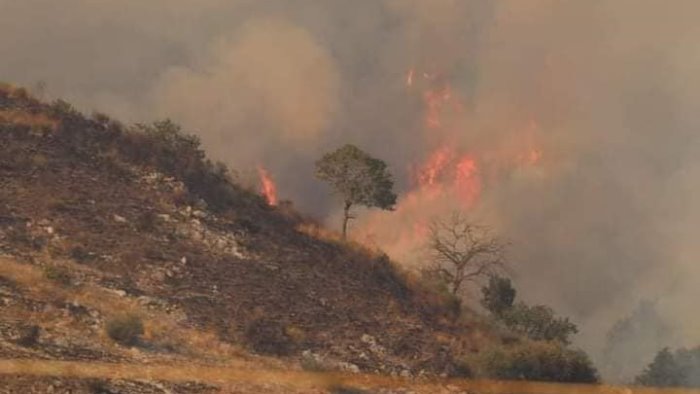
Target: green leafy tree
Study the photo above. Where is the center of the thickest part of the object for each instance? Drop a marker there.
(498, 295)
(358, 179)
(664, 371)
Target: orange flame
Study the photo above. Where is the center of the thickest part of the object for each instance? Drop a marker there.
(451, 175)
(267, 186)
(434, 167)
(467, 181)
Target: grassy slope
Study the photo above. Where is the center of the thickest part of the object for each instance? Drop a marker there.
(86, 197)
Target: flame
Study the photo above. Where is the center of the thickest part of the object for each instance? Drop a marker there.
(467, 181)
(452, 175)
(532, 157)
(267, 186)
(434, 167)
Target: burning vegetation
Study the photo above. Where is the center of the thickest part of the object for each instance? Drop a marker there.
(468, 148)
(267, 186)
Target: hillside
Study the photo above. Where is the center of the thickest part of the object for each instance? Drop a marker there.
(107, 219)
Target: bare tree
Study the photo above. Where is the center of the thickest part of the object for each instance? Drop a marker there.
(463, 251)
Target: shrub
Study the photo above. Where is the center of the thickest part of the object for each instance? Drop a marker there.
(28, 335)
(267, 336)
(98, 387)
(543, 361)
(147, 222)
(498, 295)
(19, 236)
(341, 389)
(126, 329)
(538, 323)
(80, 254)
(58, 274)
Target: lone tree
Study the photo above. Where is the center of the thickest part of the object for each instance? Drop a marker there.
(358, 178)
(463, 251)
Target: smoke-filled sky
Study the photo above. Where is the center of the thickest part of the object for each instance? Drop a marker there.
(604, 93)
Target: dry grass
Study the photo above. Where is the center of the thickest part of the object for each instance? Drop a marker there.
(159, 327)
(302, 380)
(324, 234)
(233, 369)
(22, 117)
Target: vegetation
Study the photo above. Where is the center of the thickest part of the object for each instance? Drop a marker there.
(537, 322)
(358, 179)
(28, 335)
(126, 329)
(161, 145)
(669, 369)
(498, 296)
(542, 361)
(58, 274)
(633, 340)
(463, 251)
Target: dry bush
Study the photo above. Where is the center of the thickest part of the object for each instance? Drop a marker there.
(125, 329)
(58, 274)
(268, 336)
(28, 335)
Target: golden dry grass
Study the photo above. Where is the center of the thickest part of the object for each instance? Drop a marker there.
(324, 234)
(300, 380)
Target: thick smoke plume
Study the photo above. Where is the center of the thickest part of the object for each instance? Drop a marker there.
(568, 126)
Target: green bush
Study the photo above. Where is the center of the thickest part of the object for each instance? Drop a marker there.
(125, 329)
(538, 323)
(539, 361)
(498, 295)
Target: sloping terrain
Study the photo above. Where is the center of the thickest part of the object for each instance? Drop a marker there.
(97, 219)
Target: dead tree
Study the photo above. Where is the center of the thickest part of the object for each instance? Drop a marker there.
(462, 251)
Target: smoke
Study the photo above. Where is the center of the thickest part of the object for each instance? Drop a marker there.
(579, 115)
(271, 87)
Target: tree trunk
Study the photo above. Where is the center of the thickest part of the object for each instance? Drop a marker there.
(346, 218)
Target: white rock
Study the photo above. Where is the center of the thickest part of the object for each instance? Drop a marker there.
(199, 214)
